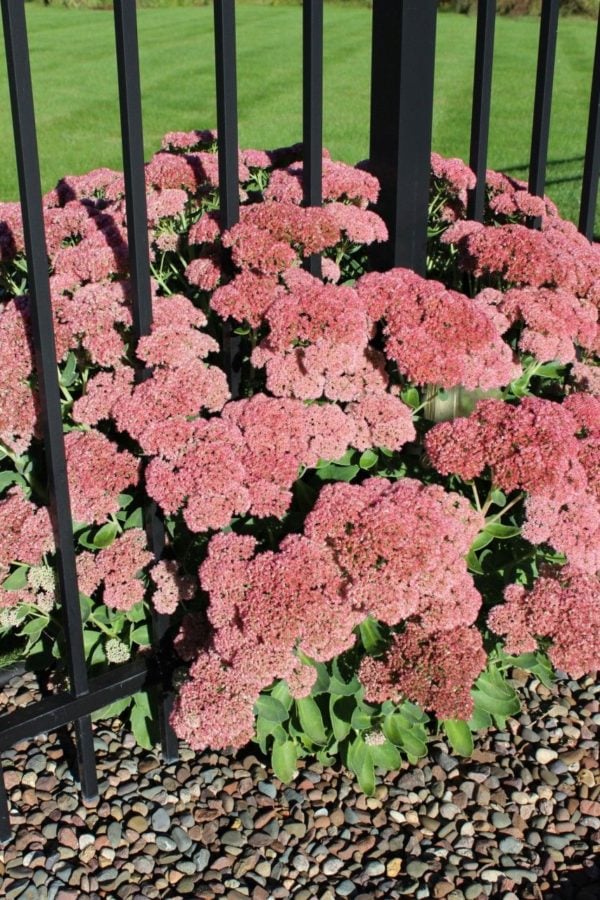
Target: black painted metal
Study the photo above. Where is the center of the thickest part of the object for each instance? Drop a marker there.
(5, 829)
(227, 129)
(62, 708)
(130, 102)
(312, 111)
(225, 60)
(543, 99)
(401, 119)
(21, 96)
(482, 94)
(591, 169)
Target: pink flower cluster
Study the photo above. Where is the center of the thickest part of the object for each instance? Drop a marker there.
(92, 318)
(511, 199)
(248, 460)
(435, 335)
(17, 402)
(402, 546)
(340, 182)
(172, 588)
(556, 257)
(98, 473)
(277, 438)
(117, 568)
(26, 533)
(361, 553)
(182, 384)
(457, 179)
(436, 670)
(318, 344)
(555, 322)
(563, 605)
(547, 449)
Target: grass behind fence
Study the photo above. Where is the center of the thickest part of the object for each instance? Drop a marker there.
(76, 93)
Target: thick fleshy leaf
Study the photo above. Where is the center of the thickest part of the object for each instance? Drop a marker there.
(284, 760)
(270, 709)
(386, 756)
(105, 536)
(371, 636)
(311, 720)
(459, 735)
(340, 713)
(504, 532)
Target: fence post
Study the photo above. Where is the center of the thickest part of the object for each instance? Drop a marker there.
(543, 100)
(591, 170)
(42, 332)
(227, 143)
(403, 63)
(480, 117)
(312, 111)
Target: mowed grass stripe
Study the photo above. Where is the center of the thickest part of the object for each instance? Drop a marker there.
(75, 85)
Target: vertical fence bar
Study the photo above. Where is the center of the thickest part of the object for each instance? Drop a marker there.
(403, 60)
(130, 103)
(543, 99)
(5, 829)
(227, 132)
(591, 168)
(21, 97)
(482, 95)
(312, 111)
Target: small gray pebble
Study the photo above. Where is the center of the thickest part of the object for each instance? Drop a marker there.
(161, 820)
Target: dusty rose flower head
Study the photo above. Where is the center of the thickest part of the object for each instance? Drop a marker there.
(340, 182)
(402, 547)
(215, 708)
(188, 140)
(116, 568)
(98, 473)
(555, 322)
(172, 587)
(436, 670)
(435, 335)
(532, 446)
(563, 605)
(26, 533)
(17, 400)
(382, 420)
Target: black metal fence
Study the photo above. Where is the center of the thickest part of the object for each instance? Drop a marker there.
(403, 58)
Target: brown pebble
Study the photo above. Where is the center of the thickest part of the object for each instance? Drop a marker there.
(590, 808)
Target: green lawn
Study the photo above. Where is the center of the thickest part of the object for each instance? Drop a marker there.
(75, 85)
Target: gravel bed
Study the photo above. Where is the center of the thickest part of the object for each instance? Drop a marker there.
(520, 820)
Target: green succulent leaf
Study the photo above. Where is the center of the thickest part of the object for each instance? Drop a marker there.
(17, 580)
(311, 720)
(371, 636)
(105, 536)
(284, 760)
(385, 756)
(368, 459)
(504, 532)
(340, 713)
(270, 709)
(459, 735)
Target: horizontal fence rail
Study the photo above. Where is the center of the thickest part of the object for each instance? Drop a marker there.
(402, 82)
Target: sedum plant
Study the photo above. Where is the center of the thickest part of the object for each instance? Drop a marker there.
(401, 503)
